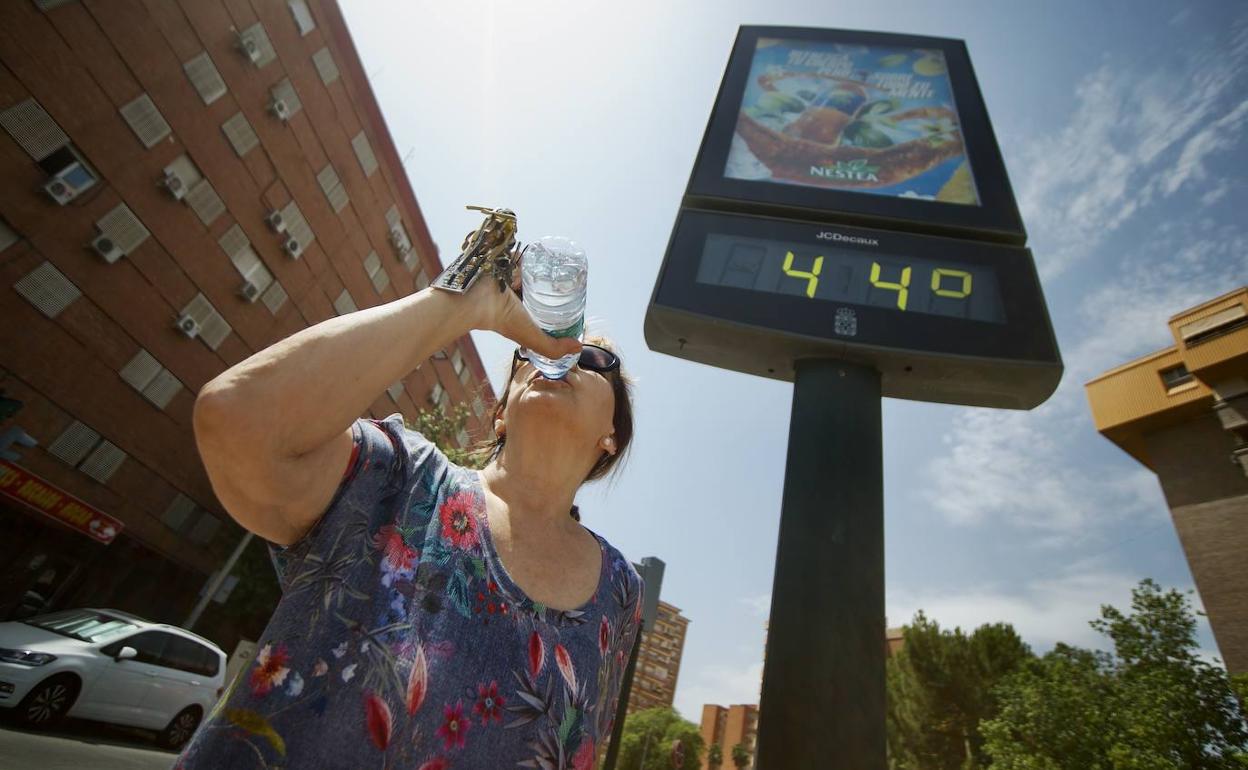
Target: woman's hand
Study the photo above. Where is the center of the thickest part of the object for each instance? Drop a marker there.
(504, 312)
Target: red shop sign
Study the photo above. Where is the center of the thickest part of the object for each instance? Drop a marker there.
(25, 487)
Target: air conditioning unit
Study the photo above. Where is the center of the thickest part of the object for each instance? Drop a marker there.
(279, 108)
(398, 239)
(293, 247)
(68, 183)
(275, 221)
(249, 48)
(107, 248)
(250, 291)
(188, 326)
(173, 184)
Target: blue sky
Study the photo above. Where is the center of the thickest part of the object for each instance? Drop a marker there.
(1122, 126)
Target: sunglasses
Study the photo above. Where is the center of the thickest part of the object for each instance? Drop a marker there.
(593, 358)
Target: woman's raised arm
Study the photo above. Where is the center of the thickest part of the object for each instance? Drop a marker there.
(274, 430)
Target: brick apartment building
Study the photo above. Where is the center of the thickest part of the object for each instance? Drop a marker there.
(1183, 413)
(658, 660)
(184, 184)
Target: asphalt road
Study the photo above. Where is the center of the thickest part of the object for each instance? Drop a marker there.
(76, 745)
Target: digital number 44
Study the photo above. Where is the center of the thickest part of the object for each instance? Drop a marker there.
(901, 286)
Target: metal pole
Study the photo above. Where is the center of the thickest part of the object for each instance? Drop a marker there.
(822, 702)
(626, 687)
(645, 747)
(214, 583)
(651, 572)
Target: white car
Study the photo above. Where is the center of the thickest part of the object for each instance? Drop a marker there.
(112, 667)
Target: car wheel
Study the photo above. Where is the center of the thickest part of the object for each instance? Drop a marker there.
(48, 702)
(180, 728)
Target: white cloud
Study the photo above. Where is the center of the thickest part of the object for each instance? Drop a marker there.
(1042, 611)
(1134, 137)
(1020, 468)
(722, 685)
(759, 603)
(1134, 142)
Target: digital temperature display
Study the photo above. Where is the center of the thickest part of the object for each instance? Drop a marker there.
(942, 319)
(850, 276)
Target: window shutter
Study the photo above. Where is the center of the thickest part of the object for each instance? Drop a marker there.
(33, 129)
(241, 135)
(47, 289)
(205, 78)
(123, 228)
(325, 66)
(146, 121)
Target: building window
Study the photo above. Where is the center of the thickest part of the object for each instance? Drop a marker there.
(47, 289)
(83, 448)
(145, 374)
(178, 514)
(364, 153)
(201, 319)
(33, 129)
(1213, 326)
(325, 66)
(120, 233)
(205, 78)
(344, 304)
(146, 121)
(376, 274)
(205, 528)
(274, 298)
(297, 226)
(7, 236)
(241, 135)
(1175, 376)
(331, 185)
(303, 16)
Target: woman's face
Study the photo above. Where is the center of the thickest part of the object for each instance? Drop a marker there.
(580, 407)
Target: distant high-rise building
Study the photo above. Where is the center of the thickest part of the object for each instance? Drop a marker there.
(894, 640)
(1183, 413)
(729, 727)
(658, 661)
(181, 186)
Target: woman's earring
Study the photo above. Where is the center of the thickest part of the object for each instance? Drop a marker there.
(609, 445)
(499, 428)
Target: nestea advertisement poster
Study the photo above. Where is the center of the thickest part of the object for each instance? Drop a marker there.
(871, 119)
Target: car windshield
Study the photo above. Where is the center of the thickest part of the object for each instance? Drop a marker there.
(87, 625)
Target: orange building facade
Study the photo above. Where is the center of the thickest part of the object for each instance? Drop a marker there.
(729, 727)
(1182, 412)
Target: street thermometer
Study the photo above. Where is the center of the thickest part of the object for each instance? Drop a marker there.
(848, 226)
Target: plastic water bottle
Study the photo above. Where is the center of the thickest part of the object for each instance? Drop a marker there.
(554, 273)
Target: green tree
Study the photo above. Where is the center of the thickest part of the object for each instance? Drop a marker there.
(648, 735)
(442, 428)
(939, 686)
(740, 755)
(1153, 704)
(714, 756)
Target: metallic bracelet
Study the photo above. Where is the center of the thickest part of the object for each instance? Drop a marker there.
(491, 248)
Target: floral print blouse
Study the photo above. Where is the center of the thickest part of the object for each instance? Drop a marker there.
(400, 640)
